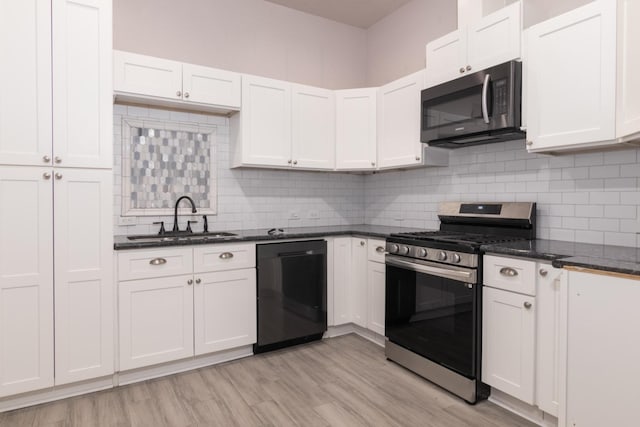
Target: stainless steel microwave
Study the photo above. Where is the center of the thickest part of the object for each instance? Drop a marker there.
(479, 108)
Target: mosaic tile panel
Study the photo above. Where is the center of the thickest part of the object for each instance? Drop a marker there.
(165, 160)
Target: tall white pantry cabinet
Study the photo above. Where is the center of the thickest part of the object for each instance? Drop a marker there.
(55, 180)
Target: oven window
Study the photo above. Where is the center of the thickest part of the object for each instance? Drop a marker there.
(456, 108)
(432, 316)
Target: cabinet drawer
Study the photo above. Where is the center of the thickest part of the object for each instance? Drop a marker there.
(375, 249)
(147, 264)
(516, 275)
(224, 257)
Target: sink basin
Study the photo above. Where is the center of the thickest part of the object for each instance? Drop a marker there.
(216, 235)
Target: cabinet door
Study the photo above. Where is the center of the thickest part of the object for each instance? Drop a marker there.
(224, 310)
(548, 311)
(376, 288)
(628, 99)
(399, 122)
(211, 86)
(146, 75)
(571, 78)
(156, 321)
(356, 129)
(342, 282)
(446, 58)
(26, 280)
(265, 122)
(84, 286)
(508, 343)
(359, 291)
(82, 84)
(313, 121)
(25, 82)
(495, 39)
(602, 351)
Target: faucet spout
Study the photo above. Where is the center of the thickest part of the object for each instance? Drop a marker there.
(175, 212)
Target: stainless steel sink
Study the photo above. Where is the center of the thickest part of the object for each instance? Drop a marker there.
(213, 236)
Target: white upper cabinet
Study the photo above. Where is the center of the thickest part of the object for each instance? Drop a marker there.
(399, 122)
(84, 286)
(313, 133)
(356, 129)
(284, 125)
(25, 82)
(26, 279)
(82, 84)
(492, 40)
(571, 78)
(628, 77)
(158, 81)
(262, 131)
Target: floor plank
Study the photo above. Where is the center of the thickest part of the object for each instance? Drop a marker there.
(343, 381)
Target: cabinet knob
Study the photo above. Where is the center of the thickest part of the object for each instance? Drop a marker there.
(46, 175)
(373, 163)
(289, 161)
(527, 305)
(58, 175)
(190, 282)
(380, 249)
(178, 94)
(543, 272)
(417, 158)
(198, 281)
(58, 159)
(468, 67)
(361, 242)
(186, 94)
(46, 158)
(529, 143)
(461, 70)
(295, 162)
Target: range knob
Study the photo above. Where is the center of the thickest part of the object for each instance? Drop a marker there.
(455, 258)
(422, 253)
(394, 249)
(404, 250)
(442, 256)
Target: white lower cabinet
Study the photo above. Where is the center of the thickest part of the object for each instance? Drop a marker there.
(204, 302)
(376, 297)
(224, 310)
(508, 332)
(359, 285)
(156, 321)
(341, 281)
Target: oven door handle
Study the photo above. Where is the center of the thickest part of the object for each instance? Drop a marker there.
(462, 276)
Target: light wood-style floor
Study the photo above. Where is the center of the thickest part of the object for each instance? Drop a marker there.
(344, 381)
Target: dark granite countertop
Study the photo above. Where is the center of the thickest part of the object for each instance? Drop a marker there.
(365, 230)
(617, 259)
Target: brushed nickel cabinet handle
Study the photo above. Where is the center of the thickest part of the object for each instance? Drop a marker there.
(46, 158)
(461, 70)
(58, 175)
(295, 162)
(179, 94)
(543, 272)
(198, 281)
(190, 282)
(158, 261)
(468, 67)
(46, 175)
(58, 159)
(361, 242)
(186, 94)
(418, 158)
(508, 271)
(527, 305)
(380, 249)
(226, 255)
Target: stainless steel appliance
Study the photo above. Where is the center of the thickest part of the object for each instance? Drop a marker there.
(434, 292)
(292, 293)
(479, 108)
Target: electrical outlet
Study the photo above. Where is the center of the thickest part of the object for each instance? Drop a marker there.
(127, 220)
(294, 215)
(314, 214)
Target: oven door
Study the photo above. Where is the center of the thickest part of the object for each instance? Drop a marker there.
(432, 310)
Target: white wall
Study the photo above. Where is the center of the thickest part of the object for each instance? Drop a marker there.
(590, 197)
(249, 36)
(249, 199)
(396, 44)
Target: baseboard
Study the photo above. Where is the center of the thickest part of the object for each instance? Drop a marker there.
(55, 393)
(352, 328)
(522, 409)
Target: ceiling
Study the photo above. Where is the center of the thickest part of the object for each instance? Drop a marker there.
(359, 13)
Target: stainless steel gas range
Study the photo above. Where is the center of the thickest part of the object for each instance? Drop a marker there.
(434, 292)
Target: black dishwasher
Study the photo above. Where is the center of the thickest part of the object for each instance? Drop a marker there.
(292, 293)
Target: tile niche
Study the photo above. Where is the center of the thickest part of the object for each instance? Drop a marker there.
(163, 160)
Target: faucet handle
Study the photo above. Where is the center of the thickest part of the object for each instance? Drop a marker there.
(189, 230)
(162, 230)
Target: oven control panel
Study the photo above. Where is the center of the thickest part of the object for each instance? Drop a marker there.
(432, 254)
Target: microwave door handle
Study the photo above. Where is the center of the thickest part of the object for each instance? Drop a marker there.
(485, 96)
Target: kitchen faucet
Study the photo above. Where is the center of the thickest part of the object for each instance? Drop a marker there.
(175, 213)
